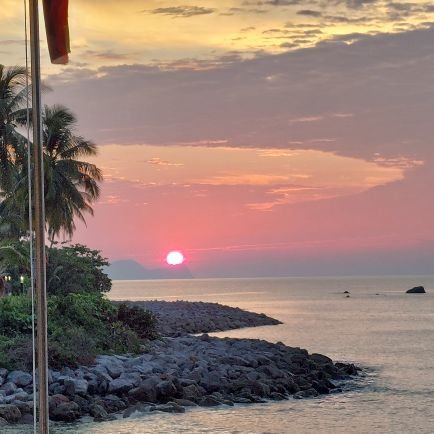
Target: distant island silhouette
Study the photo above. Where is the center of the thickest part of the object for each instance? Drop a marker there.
(128, 269)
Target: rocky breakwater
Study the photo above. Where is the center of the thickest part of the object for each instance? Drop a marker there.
(176, 373)
(177, 318)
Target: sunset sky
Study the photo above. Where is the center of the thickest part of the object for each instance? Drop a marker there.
(258, 137)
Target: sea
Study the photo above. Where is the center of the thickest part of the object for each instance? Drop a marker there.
(388, 333)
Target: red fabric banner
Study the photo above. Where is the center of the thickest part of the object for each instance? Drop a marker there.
(56, 25)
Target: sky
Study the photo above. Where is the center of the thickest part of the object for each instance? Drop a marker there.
(258, 137)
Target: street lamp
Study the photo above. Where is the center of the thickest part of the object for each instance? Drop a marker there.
(22, 284)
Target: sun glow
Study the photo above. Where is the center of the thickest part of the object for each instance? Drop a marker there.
(175, 258)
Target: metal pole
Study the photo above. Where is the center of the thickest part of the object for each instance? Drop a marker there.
(38, 176)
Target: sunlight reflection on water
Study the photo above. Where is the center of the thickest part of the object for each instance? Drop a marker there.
(390, 335)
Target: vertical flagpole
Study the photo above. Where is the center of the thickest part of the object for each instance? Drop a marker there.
(39, 214)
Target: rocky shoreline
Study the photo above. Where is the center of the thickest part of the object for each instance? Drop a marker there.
(175, 373)
(177, 318)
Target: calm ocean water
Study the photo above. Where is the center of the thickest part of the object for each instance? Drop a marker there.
(384, 330)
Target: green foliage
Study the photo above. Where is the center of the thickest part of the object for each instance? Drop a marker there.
(143, 322)
(15, 315)
(80, 326)
(74, 269)
(70, 269)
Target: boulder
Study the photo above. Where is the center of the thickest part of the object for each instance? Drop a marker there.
(170, 407)
(416, 290)
(209, 401)
(66, 412)
(75, 386)
(113, 365)
(99, 413)
(165, 390)
(321, 359)
(20, 378)
(113, 403)
(10, 413)
(192, 393)
(146, 391)
(124, 383)
(55, 400)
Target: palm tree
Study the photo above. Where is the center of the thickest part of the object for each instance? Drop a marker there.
(13, 94)
(71, 185)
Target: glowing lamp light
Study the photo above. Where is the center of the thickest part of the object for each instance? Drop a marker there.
(21, 279)
(175, 258)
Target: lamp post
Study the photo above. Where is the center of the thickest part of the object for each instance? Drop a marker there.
(22, 284)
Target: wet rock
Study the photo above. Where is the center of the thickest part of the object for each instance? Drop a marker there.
(192, 393)
(66, 412)
(184, 402)
(416, 290)
(209, 401)
(321, 359)
(170, 407)
(166, 390)
(146, 391)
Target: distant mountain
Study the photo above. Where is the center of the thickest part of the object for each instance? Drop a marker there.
(128, 269)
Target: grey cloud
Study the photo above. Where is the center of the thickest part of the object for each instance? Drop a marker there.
(357, 4)
(106, 55)
(182, 11)
(346, 19)
(309, 13)
(384, 80)
(248, 10)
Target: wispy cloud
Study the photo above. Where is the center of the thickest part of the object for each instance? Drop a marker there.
(159, 162)
(244, 179)
(181, 11)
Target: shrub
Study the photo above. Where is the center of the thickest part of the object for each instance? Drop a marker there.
(143, 322)
(15, 315)
(80, 326)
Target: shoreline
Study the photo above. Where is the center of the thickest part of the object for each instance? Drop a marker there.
(179, 317)
(179, 371)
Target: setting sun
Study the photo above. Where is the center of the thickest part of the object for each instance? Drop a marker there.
(175, 258)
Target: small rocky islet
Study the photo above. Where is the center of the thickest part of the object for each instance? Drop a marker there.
(178, 371)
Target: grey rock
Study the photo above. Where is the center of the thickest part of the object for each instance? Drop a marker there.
(146, 391)
(192, 393)
(98, 412)
(321, 359)
(209, 401)
(75, 386)
(184, 402)
(113, 366)
(8, 388)
(124, 383)
(170, 407)
(10, 413)
(66, 412)
(165, 390)
(416, 290)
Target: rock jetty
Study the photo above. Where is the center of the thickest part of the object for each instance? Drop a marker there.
(174, 373)
(177, 318)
